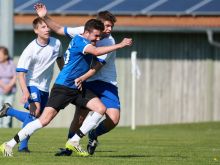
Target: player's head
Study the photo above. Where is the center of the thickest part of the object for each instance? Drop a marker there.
(41, 28)
(93, 29)
(4, 55)
(108, 19)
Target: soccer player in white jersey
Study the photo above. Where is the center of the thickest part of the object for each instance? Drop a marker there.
(35, 70)
(78, 58)
(103, 83)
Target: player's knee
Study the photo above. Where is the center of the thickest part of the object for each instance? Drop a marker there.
(101, 109)
(113, 115)
(114, 120)
(44, 121)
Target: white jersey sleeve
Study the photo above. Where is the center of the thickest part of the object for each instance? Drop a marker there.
(108, 41)
(71, 32)
(60, 53)
(108, 71)
(25, 59)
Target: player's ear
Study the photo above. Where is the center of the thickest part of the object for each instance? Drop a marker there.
(86, 32)
(35, 31)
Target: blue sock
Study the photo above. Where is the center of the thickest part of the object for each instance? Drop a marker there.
(24, 143)
(17, 114)
(100, 130)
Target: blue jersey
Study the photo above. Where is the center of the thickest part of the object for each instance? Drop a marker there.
(77, 62)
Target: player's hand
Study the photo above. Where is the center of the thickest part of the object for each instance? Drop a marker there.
(35, 112)
(25, 97)
(40, 9)
(126, 42)
(78, 83)
(32, 112)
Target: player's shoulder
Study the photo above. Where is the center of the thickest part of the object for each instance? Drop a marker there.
(55, 41)
(107, 41)
(109, 38)
(79, 39)
(31, 45)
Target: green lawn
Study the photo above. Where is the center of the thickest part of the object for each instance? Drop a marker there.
(188, 144)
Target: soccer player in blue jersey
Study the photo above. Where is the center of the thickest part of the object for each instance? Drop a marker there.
(35, 70)
(103, 83)
(78, 58)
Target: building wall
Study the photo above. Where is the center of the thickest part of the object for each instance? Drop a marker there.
(179, 82)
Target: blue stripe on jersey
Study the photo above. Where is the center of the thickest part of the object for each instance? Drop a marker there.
(101, 60)
(21, 70)
(76, 63)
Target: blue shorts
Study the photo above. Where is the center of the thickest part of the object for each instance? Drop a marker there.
(37, 96)
(107, 92)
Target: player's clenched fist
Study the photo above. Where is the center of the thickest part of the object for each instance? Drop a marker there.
(126, 42)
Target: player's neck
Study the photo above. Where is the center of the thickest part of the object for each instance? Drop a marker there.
(42, 41)
(105, 36)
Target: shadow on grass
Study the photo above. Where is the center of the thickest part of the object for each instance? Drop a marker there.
(124, 156)
(144, 155)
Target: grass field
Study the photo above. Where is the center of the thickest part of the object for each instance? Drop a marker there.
(182, 144)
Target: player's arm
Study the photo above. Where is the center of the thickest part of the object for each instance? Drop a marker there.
(87, 75)
(97, 51)
(42, 13)
(23, 85)
(60, 60)
(92, 71)
(22, 68)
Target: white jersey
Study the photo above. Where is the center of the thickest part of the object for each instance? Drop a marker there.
(38, 63)
(108, 71)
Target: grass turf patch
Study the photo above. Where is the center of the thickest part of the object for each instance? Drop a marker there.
(190, 144)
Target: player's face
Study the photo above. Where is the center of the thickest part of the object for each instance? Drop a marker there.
(108, 27)
(94, 36)
(43, 31)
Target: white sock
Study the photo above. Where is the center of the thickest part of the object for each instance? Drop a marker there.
(28, 130)
(89, 123)
(11, 143)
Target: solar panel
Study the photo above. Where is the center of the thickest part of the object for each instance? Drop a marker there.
(213, 7)
(131, 6)
(25, 7)
(123, 7)
(174, 7)
(19, 2)
(87, 6)
(51, 5)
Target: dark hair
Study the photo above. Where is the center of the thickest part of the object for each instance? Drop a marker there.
(94, 24)
(106, 16)
(5, 51)
(37, 21)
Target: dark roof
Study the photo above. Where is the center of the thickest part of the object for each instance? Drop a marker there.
(124, 7)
